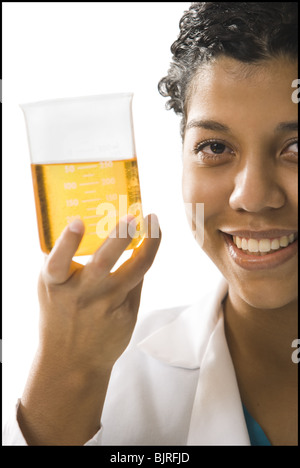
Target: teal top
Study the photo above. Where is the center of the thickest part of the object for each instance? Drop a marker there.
(256, 434)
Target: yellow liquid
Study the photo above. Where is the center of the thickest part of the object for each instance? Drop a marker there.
(98, 193)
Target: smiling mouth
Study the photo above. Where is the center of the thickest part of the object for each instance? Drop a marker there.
(260, 252)
(262, 247)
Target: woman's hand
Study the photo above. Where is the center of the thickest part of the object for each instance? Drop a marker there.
(86, 321)
(87, 313)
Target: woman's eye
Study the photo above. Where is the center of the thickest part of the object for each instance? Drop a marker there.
(213, 152)
(292, 148)
(291, 151)
(215, 148)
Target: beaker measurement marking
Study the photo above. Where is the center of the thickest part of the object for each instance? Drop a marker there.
(108, 181)
(89, 183)
(111, 196)
(93, 216)
(105, 164)
(92, 208)
(94, 224)
(72, 202)
(70, 168)
(90, 191)
(70, 185)
(88, 175)
(87, 167)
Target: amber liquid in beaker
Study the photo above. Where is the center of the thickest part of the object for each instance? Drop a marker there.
(98, 193)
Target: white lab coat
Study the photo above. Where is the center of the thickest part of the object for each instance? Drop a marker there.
(174, 385)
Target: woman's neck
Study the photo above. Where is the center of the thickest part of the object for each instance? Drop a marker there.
(262, 337)
(260, 343)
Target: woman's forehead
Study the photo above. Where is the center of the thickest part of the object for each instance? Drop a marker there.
(226, 85)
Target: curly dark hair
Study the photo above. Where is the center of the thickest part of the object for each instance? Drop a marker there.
(246, 31)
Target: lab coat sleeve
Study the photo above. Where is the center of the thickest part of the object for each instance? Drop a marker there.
(12, 434)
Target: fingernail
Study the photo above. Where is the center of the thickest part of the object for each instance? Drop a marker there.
(154, 219)
(76, 226)
(155, 228)
(127, 218)
(130, 226)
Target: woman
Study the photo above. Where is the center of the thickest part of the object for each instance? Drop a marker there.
(220, 372)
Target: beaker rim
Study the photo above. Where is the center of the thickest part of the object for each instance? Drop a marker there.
(91, 97)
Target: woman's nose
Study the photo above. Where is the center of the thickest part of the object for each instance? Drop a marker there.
(256, 188)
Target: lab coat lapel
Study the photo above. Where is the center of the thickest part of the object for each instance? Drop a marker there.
(182, 342)
(196, 339)
(217, 415)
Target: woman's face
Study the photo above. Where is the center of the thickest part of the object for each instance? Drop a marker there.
(240, 159)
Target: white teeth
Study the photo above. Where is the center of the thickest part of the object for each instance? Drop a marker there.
(239, 242)
(244, 244)
(275, 244)
(284, 241)
(253, 245)
(263, 245)
(291, 238)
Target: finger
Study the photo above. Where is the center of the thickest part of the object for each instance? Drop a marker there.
(59, 266)
(134, 297)
(110, 251)
(131, 272)
(128, 307)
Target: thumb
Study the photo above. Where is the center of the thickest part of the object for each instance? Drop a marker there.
(58, 266)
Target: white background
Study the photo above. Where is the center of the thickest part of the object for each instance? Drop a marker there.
(56, 50)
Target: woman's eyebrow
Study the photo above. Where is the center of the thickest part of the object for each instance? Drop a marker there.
(214, 125)
(208, 125)
(287, 126)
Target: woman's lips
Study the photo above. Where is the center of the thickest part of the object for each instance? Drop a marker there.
(263, 253)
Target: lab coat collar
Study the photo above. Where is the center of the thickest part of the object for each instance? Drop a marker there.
(196, 340)
(182, 342)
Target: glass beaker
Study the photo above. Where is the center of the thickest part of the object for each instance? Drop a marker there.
(84, 165)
